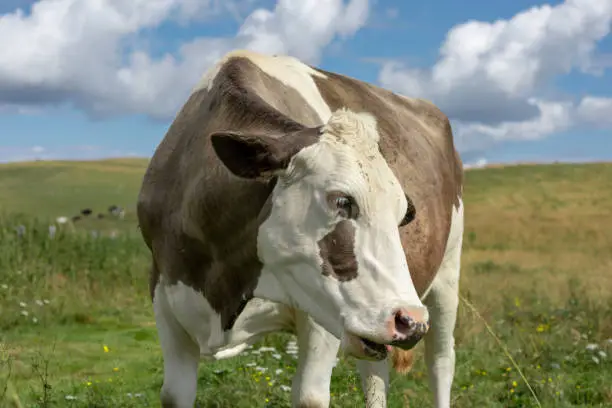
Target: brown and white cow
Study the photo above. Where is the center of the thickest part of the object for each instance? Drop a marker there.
(286, 197)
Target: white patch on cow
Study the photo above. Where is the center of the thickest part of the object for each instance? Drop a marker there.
(347, 159)
(195, 315)
(442, 301)
(288, 70)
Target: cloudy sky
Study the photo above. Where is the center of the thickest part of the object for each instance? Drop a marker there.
(521, 80)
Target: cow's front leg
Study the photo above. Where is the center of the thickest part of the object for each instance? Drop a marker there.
(181, 356)
(317, 354)
(442, 302)
(374, 381)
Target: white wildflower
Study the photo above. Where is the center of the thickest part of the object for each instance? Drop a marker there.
(4, 286)
(70, 397)
(278, 371)
(592, 347)
(39, 302)
(24, 313)
(23, 304)
(285, 388)
(602, 354)
(595, 360)
(276, 356)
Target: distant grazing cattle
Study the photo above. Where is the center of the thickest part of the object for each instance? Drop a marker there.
(86, 211)
(286, 197)
(116, 211)
(100, 216)
(75, 218)
(61, 220)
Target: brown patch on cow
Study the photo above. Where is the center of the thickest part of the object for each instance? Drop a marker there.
(199, 220)
(337, 249)
(417, 143)
(402, 360)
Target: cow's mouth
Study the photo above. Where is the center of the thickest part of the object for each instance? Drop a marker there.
(374, 350)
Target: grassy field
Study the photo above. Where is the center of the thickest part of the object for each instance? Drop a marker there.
(76, 324)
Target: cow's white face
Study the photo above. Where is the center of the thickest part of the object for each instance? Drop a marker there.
(331, 238)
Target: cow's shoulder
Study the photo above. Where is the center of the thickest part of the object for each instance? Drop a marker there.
(284, 83)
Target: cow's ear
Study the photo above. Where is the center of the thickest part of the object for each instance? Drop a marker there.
(249, 156)
(260, 156)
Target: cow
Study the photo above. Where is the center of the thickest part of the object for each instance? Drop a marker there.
(285, 197)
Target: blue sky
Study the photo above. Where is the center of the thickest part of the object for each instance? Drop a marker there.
(521, 80)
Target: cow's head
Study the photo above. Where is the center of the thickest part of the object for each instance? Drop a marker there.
(331, 239)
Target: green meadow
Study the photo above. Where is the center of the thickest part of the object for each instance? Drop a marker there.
(77, 327)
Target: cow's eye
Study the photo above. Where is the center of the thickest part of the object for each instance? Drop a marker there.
(410, 213)
(345, 205)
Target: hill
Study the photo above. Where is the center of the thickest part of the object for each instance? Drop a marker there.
(56, 188)
(76, 321)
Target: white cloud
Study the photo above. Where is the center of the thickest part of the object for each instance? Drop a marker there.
(493, 79)
(596, 111)
(554, 117)
(74, 51)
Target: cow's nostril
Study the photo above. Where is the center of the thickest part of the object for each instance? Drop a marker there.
(404, 324)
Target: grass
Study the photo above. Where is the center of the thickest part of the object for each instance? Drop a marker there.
(77, 329)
